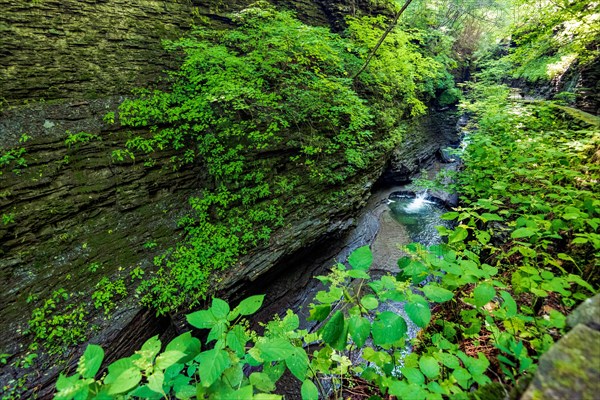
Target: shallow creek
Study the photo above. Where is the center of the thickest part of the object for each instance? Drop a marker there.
(392, 218)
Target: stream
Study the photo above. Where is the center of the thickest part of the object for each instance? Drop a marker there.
(393, 217)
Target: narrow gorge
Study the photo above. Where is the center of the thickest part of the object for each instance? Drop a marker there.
(156, 155)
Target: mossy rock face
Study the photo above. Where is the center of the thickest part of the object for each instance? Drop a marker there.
(570, 369)
(89, 49)
(587, 313)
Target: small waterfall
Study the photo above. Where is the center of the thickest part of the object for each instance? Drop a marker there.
(418, 202)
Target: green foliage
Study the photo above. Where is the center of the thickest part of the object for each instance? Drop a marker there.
(14, 158)
(107, 292)
(272, 85)
(58, 323)
(550, 37)
(75, 139)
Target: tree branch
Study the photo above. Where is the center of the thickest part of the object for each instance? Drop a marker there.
(381, 39)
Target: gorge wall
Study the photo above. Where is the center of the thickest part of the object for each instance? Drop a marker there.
(75, 212)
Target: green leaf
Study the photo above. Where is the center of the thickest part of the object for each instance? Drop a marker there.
(483, 294)
(413, 375)
(462, 376)
(262, 382)
(369, 302)
(122, 376)
(418, 311)
(436, 293)
(90, 361)
(203, 319)
(168, 358)
(388, 328)
(449, 216)
(320, 312)
(297, 363)
(217, 331)
(458, 235)
(491, 217)
(236, 340)
(335, 331)
(360, 329)
(244, 393)
(509, 304)
(358, 274)
(212, 364)
(155, 382)
(277, 349)
(72, 388)
(361, 258)
(449, 360)
(309, 390)
(429, 366)
(219, 308)
(523, 233)
(250, 305)
(185, 343)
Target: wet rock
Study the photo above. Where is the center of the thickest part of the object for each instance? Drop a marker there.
(422, 144)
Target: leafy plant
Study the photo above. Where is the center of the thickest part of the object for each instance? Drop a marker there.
(58, 323)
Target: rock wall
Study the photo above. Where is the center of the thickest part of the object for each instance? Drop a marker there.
(571, 368)
(76, 49)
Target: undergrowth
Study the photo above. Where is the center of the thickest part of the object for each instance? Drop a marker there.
(490, 301)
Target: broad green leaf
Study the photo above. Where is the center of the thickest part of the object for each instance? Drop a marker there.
(388, 328)
(458, 235)
(212, 365)
(309, 390)
(274, 370)
(462, 376)
(436, 293)
(449, 360)
(250, 305)
(523, 233)
(320, 312)
(267, 396)
(491, 217)
(72, 388)
(413, 375)
(122, 376)
(274, 349)
(155, 382)
(244, 393)
(203, 319)
(358, 274)
(168, 358)
(429, 366)
(335, 331)
(360, 329)
(483, 294)
(217, 331)
(509, 304)
(369, 302)
(90, 361)
(219, 308)
(297, 363)
(236, 340)
(361, 258)
(330, 296)
(418, 312)
(186, 344)
(234, 375)
(449, 216)
(262, 382)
